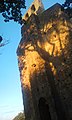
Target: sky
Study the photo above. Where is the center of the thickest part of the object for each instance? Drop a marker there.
(10, 87)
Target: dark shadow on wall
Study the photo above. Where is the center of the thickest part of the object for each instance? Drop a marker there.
(57, 101)
(44, 109)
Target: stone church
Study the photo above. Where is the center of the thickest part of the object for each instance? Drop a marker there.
(45, 63)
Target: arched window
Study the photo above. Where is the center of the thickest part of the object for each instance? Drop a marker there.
(44, 109)
(33, 8)
(27, 15)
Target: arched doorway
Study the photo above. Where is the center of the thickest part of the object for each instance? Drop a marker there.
(44, 109)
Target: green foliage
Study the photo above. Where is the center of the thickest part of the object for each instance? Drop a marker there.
(11, 10)
(67, 3)
(20, 116)
(68, 7)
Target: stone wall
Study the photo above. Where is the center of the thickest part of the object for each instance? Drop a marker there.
(45, 64)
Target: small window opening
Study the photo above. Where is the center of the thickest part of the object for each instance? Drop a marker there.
(33, 7)
(34, 65)
(25, 68)
(45, 33)
(64, 60)
(70, 74)
(55, 36)
(27, 15)
(37, 89)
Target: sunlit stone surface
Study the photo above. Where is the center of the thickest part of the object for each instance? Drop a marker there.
(45, 64)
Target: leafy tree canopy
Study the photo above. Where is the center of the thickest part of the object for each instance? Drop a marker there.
(68, 7)
(20, 116)
(11, 10)
(67, 3)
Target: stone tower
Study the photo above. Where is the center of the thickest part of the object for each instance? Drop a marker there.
(45, 65)
(35, 8)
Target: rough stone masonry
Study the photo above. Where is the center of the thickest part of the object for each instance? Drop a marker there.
(45, 64)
